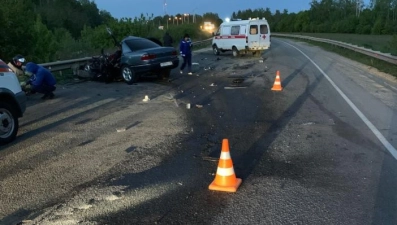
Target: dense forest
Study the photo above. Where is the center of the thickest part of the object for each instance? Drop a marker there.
(333, 16)
(49, 30)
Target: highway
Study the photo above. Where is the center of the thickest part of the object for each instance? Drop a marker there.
(321, 151)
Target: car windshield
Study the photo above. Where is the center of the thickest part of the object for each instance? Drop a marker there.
(139, 44)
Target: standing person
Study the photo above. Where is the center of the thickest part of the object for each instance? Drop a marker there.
(167, 40)
(41, 80)
(185, 48)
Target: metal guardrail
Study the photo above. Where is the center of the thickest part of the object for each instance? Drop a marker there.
(375, 54)
(75, 63)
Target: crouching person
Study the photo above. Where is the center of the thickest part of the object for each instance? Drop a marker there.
(41, 80)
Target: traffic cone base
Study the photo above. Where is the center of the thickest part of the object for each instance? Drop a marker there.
(277, 88)
(214, 187)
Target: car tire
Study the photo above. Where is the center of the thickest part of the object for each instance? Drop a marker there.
(216, 50)
(257, 53)
(164, 74)
(129, 75)
(8, 123)
(235, 51)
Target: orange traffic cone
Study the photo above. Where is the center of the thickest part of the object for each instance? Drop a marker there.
(277, 83)
(225, 179)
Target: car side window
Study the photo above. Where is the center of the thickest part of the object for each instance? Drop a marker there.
(254, 29)
(235, 30)
(264, 29)
(226, 30)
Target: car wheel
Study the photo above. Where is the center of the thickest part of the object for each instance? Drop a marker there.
(216, 50)
(129, 75)
(235, 51)
(164, 74)
(8, 123)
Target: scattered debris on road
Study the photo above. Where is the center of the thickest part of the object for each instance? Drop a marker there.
(176, 103)
(211, 159)
(119, 130)
(84, 206)
(238, 81)
(112, 198)
(146, 99)
(237, 87)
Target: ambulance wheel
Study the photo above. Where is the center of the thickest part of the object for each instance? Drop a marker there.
(216, 50)
(257, 53)
(235, 51)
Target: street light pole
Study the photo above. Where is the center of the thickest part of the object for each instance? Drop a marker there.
(194, 14)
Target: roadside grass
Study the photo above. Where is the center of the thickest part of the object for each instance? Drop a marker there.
(382, 43)
(366, 60)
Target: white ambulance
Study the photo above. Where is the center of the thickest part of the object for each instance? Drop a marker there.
(242, 36)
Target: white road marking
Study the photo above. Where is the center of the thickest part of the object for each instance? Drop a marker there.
(374, 130)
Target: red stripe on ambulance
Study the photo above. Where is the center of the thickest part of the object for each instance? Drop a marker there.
(230, 37)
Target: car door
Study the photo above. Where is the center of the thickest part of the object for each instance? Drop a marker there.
(264, 36)
(225, 33)
(253, 35)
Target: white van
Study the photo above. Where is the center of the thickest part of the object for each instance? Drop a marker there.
(242, 36)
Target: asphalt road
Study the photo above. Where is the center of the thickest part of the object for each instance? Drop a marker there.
(304, 154)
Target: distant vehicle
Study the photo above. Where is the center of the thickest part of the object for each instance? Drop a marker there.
(208, 26)
(12, 104)
(242, 36)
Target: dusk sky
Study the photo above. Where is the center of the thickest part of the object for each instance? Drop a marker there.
(224, 8)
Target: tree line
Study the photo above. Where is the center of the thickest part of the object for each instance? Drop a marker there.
(50, 30)
(332, 16)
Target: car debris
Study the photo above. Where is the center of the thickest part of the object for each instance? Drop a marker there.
(119, 130)
(238, 80)
(237, 87)
(146, 99)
